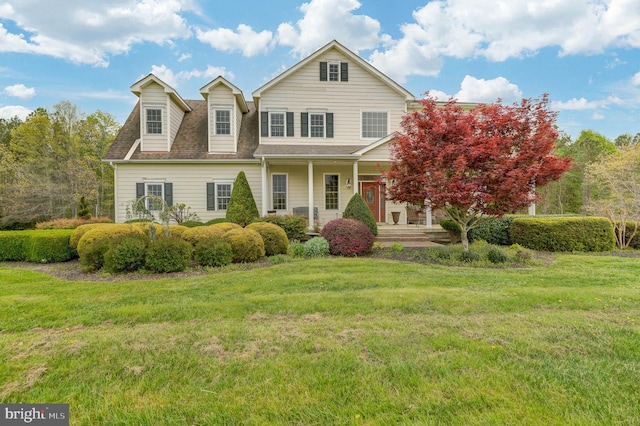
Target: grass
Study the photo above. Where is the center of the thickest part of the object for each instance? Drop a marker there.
(331, 341)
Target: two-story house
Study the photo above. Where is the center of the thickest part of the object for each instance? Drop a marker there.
(309, 139)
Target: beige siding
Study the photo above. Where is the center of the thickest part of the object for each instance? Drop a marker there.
(381, 153)
(303, 91)
(189, 183)
(177, 114)
(221, 97)
(153, 96)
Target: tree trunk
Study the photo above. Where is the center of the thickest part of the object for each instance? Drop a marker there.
(464, 237)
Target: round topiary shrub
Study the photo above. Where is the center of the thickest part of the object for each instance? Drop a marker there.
(495, 255)
(216, 220)
(274, 237)
(247, 244)
(226, 226)
(168, 254)
(294, 226)
(92, 258)
(79, 232)
(347, 237)
(316, 247)
(126, 254)
(358, 209)
(177, 230)
(95, 242)
(201, 233)
(213, 252)
(469, 256)
(297, 249)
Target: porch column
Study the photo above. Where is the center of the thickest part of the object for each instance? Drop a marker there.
(428, 216)
(532, 209)
(310, 179)
(265, 187)
(355, 178)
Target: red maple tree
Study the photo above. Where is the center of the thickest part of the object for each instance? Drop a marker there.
(477, 163)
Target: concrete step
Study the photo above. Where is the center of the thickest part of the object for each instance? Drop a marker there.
(411, 236)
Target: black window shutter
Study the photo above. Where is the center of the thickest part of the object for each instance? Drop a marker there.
(290, 124)
(329, 132)
(264, 123)
(211, 197)
(323, 71)
(304, 124)
(139, 190)
(344, 71)
(168, 194)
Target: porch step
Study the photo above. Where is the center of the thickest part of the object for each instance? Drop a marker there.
(411, 236)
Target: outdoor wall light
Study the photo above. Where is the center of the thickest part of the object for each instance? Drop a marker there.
(349, 183)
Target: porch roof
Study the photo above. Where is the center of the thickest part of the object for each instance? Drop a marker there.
(307, 151)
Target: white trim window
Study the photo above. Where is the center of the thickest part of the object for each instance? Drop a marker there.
(331, 192)
(375, 124)
(279, 191)
(222, 121)
(155, 194)
(316, 125)
(334, 71)
(153, 120)
(277, 124)
(218, 195)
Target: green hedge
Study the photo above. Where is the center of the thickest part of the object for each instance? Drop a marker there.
(41, 246)
(587, 234)
(494, 231)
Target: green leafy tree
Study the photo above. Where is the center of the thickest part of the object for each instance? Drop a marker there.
(242, 208)
(357, 209)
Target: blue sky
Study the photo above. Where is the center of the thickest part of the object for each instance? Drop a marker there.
(584, 53)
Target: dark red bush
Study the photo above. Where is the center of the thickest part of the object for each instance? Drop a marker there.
(347, 237)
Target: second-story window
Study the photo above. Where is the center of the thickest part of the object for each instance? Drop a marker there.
(374, 124)
(316, 125)
(334, 71)
(223, 122)
(276, 123)
(154, 121)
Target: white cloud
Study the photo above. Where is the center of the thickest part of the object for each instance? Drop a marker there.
(89, 32)
(583, 104)
(20, 91)
(499, 30)
(325, 20)
(173, 79)
(439, 95)
(10, 111)
(244, 40)
(184, 57)
(635, 80)
(479, 90)
(597, 116)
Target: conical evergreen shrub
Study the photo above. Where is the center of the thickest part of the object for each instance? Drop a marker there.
(242, 208)
(358, 209)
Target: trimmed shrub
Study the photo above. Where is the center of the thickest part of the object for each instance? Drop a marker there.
(242, 207)
(247, 244)
(168, 254)
(294, 226)
(470, 256)
(213, 252)
(316, 247)
(126, 253)
(13, 245)
(226, 226)
(41, 246)
(495, 255)
(587, 234)
(92, 257)
(105, 231)
(192, 223)
(357, 209)
(297, 249)
(493, 230)
(49, 246)
(201, 233)
(274, 237)
(217, 220)
(452, 228)
(71, 223)
(177, 230)
(347, 237)
(79, 232)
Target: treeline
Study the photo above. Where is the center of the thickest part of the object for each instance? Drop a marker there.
(575, 192)
(50, 165)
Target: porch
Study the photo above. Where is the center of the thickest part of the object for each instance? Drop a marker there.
(411, 235)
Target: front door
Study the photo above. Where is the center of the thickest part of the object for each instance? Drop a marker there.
(373, 194)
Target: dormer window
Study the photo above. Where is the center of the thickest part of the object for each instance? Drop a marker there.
(334, 71)
(154, 121)
(223, 121)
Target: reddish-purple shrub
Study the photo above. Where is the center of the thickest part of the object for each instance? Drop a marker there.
(347, 237)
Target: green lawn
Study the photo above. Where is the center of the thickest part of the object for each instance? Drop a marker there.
(331, 342)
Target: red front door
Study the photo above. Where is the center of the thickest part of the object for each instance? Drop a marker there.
(373, 194)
